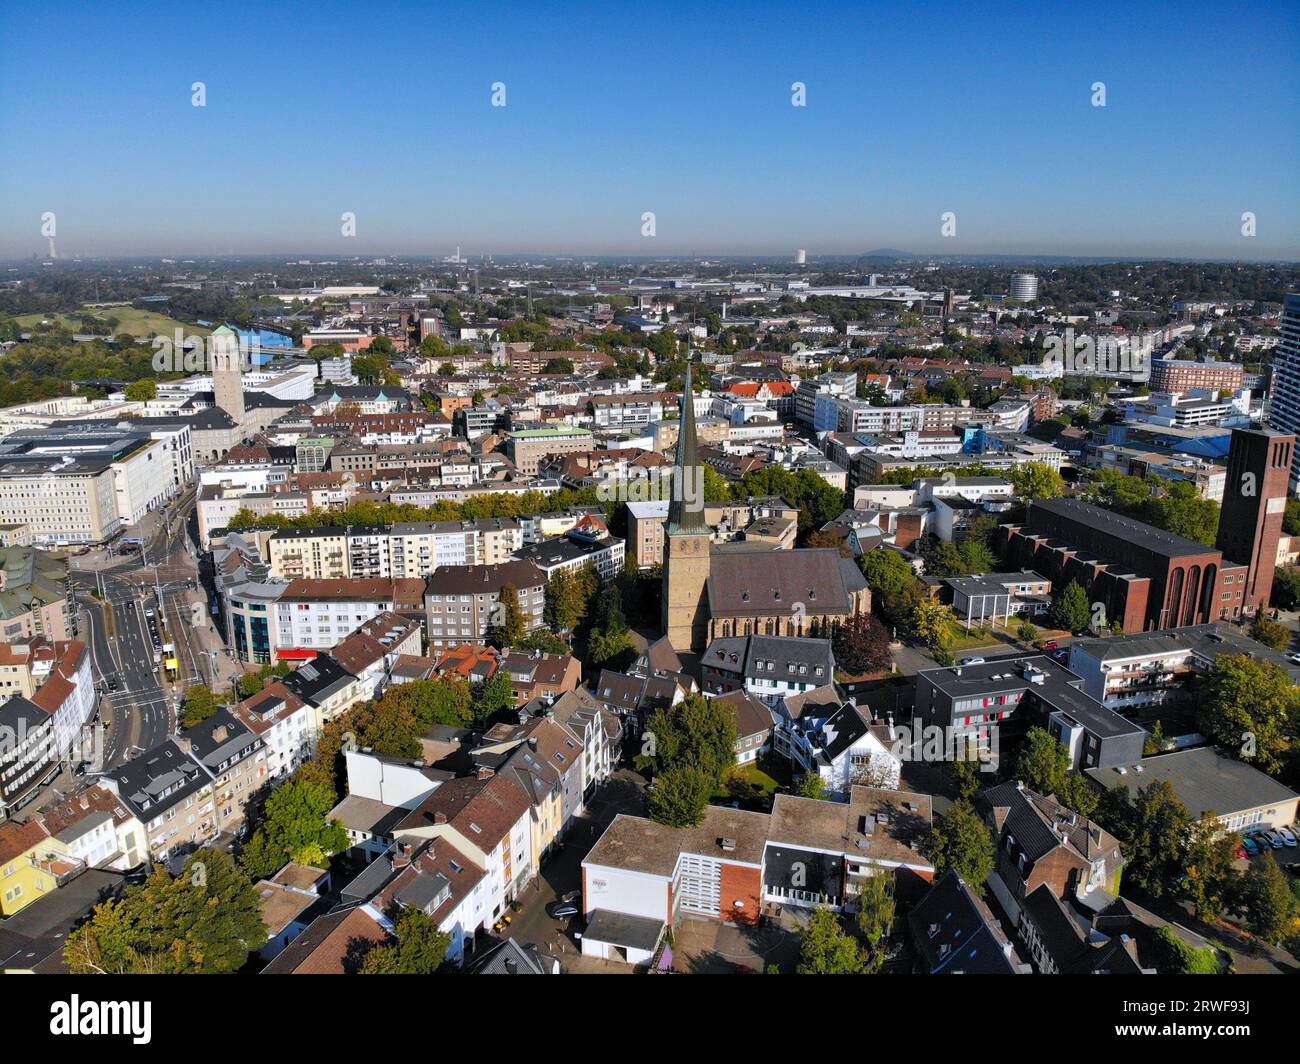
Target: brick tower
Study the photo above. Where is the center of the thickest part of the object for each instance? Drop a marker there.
(1254, 500)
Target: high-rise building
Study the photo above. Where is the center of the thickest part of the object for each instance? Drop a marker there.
(1284, 402)
(1024, 287)
(1254, 501)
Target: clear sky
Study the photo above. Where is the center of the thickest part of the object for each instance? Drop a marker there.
(613, 109)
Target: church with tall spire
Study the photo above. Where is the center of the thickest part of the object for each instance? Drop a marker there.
(740, 588)
(684, 603)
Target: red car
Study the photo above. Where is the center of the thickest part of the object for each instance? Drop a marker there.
(1051, 644)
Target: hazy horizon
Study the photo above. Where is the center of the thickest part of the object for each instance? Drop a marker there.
(386, 114)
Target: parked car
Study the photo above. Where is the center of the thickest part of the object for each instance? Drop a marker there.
(1249, 844)
(562, 910)
(971, 661)
(1270, 837)
(1288, 836)
(1293, 867)
(1051, 644)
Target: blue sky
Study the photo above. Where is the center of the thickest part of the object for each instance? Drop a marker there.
(613, 110)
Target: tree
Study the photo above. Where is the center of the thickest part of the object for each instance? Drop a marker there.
(861, 645)
(697, 732)
(445, 700)
(492, 696)
(1176, 957)
(934, 624)
(962, 841)
(207, 920)
(1035, 480)
(141, 391)
(508, 626)
(876, 911)
(295, 827)
(966, 778)
(1071, 610)
(810, 785)
(558, 365)
(827, 949)
(606, 648)
(1286, 584)
(1159, 829)
(1266, 899)
(420, 948)
(1211, 875)
(1249, 706)
(679, 796)
(566, 601)
(1027, 633)
(199, 704)
(1273, 634)
(545, 640)
(1044, 766)
(895, 589)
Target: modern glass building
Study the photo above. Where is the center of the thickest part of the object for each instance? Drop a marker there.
(1284, 398)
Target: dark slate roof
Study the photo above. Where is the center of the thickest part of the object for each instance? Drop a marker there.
(510, 958)
(788, 652)
(841, 730)
(1040, 824)
(221, 737)
(316, 680)
(159, 778)
(1061, 935)
(955, 932)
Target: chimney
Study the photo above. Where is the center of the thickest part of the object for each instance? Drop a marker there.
(402, 855)
(889, 719)
(440, 818)
(220, 733)
(485, 773)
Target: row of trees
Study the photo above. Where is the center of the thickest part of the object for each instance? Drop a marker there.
(1175, 506)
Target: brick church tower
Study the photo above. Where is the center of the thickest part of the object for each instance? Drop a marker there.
(1254, 501)
(684, 607)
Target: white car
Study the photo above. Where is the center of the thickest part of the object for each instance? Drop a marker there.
(1294, 658)
(1288, 836)
(971, 661)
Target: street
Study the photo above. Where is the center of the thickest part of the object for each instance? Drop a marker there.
(115, 590)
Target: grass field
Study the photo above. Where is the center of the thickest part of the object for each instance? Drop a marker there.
(130, 320)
